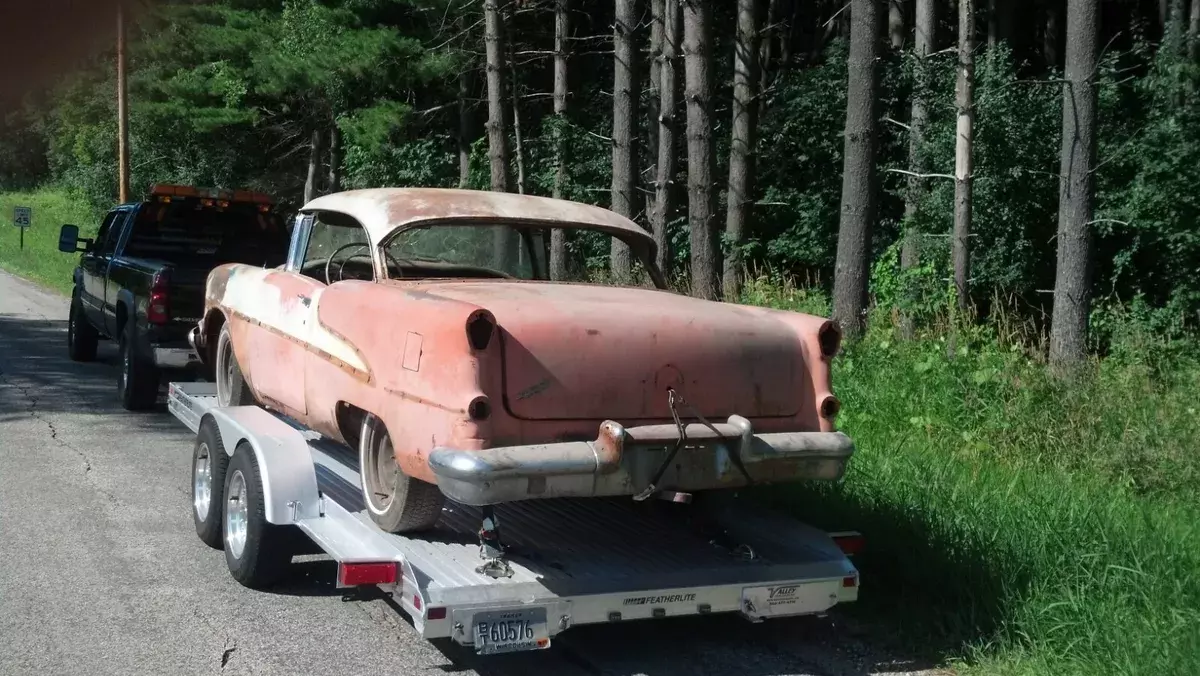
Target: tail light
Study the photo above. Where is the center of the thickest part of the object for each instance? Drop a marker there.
(158, 311)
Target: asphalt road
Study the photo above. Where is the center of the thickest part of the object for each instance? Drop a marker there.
(101, 571)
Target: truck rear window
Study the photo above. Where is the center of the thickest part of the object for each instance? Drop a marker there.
(187, 232)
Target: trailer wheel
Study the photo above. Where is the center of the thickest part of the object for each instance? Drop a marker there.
(209, 462)
(396, 502)
(231, 384)
(256, 552)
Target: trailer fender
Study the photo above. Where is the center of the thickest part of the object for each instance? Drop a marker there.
(289, 478)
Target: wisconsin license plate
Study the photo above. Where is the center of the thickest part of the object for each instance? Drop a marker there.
(510, 631)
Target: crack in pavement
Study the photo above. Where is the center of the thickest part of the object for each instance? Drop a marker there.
(31, 408)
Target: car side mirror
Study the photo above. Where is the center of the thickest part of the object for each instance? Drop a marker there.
(68, 239)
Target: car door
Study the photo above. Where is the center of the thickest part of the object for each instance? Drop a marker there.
(277, 340)
(108, 253)
(94, 268)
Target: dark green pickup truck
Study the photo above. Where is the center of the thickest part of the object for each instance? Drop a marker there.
(141, 281)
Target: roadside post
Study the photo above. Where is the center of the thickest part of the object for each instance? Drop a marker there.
(22, 217)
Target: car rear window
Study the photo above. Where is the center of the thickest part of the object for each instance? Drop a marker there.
(189, 232)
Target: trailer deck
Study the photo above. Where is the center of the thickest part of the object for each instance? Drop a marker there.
(571, 561)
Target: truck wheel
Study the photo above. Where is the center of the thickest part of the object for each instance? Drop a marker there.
(396, 502)
(209, 462)
(231, 385)
(256, 552)
(137, 380)
(82, 337)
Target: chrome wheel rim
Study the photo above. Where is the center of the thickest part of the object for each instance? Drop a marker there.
(236, 514)
(71, 327)
(224, 373)
(202, 482)
(125, 363)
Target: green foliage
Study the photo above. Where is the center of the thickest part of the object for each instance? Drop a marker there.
(1016, 524)
(40, 259)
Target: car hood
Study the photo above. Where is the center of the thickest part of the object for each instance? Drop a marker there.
(579, 351)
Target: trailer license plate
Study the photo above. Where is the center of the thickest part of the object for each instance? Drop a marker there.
(510, 631)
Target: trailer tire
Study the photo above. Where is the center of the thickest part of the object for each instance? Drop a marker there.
(209, 463)
(396, 502)
(232, 389)
(257, 552)
(82, 337)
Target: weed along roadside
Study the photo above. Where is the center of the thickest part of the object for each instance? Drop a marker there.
(1013, 526)
(40, 259)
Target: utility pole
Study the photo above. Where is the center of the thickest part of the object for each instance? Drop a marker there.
(122, 111)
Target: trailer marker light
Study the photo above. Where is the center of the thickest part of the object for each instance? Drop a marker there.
(850, 581)
(436, 613)
(354, 574)
(850, 542)
(416, 601)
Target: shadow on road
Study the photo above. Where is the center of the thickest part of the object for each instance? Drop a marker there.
(34, 362)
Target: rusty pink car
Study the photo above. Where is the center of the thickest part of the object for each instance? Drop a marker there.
(420, 327)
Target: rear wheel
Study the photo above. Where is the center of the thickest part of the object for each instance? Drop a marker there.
(82, 337)
(396, 502)
(209, 462)
(137, 379)
(257, 553)
(232, 389)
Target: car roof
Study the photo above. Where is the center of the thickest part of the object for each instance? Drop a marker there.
(382, 210)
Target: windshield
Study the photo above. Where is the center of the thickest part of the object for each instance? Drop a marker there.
(467, 251)
(188, 233)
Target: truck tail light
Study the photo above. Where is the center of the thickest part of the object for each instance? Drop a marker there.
(158, 311)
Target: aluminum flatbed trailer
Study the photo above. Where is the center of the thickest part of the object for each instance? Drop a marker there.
(567, 562)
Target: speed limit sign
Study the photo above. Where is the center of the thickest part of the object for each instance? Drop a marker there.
(22, 216)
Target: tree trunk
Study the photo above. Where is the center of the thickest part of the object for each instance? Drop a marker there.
(625, 96)
(335, 158)
(668, 110)
(741, 147)
(652, 100)
(464, 128)
(1050, 36)
(963, 149)
(314, 166)
(896, 24)
(858, 170)
(1177, 28)
(698, 86)
(924, 31)
(999, 21)
(496, 128)
(1194, 33)
(770, 34)
(514, 94)
(1164, 12)
(558, 236)
(1072, 285)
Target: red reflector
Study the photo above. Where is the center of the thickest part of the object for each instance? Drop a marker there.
(850, 543)
(438, 613)
(417, 601)
(353, 574)
(850, 581)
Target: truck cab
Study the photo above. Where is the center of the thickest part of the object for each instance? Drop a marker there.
(140, 281)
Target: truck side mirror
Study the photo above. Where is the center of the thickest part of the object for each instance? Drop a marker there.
(68, 239)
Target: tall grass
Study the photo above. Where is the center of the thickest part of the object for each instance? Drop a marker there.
(40, 259)
(1016, 524)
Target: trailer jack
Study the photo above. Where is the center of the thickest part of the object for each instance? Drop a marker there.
(491, 549)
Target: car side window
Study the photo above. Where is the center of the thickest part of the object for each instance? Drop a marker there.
(102, 234)
(338, 244)
(109, 244)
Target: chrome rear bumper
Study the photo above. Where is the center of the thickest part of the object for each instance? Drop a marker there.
(623, 461)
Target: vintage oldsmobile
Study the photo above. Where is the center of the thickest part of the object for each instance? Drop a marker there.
(420, 327)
